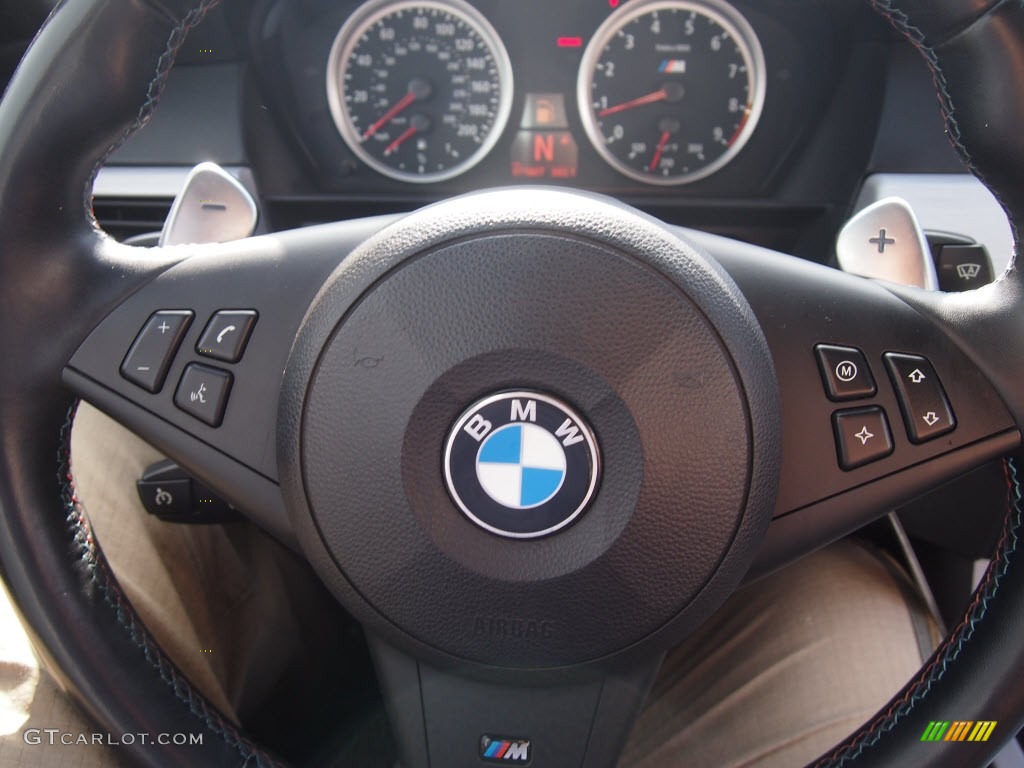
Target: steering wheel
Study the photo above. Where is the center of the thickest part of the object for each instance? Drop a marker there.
(670, 376)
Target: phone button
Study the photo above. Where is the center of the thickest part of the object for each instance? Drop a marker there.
(226, 334)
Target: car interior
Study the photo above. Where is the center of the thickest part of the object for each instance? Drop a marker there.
(284, 281)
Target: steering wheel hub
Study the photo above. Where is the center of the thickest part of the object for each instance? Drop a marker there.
(544, 334)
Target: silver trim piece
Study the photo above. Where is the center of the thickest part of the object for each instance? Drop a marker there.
(212, 207)
(722, 14)
(588, 435)
(341, 51)
(924, 589)
(884, 241)
(154, 181)
(947, 202)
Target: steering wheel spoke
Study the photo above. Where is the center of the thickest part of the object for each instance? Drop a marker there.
(465, 718)
(192, 360)
(878, 402)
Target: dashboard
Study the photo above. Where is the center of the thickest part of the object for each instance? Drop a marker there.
(760, 120)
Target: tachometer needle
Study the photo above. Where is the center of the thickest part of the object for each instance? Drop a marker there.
(665, 136)
(401, 104)
(394, 145)
(650, 98)
(740, 127)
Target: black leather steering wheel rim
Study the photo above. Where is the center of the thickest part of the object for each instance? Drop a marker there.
(76, 613)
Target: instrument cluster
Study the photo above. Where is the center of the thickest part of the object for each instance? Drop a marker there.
(612, 95)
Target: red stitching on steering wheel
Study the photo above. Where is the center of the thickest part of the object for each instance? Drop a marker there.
(935, 669)
(153, 92)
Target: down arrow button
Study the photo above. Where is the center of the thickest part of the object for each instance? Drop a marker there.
(926, 410)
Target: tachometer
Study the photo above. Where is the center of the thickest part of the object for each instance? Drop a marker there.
(420, 90)
(671, 90)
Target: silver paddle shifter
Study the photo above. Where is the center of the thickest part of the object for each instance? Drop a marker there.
(212, 207)
(885, 241)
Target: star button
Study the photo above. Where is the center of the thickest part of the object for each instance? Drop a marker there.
(863, 435)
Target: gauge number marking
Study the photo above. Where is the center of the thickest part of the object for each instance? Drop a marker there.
(419, 90)
(670, 90)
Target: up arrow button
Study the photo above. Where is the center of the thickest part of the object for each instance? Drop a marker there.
(923, 402)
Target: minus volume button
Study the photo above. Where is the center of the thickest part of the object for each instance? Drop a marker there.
(151, 354)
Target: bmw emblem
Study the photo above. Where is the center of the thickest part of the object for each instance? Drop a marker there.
(521, 464)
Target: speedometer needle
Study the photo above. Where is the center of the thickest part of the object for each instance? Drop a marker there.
(650, 98)
(401, 104)
(665, 135)
(406, 134)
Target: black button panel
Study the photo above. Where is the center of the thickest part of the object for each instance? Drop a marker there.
(203, 390)
(862, 436)
(844, 372)
(150, 356)
(926, 410)
(203, 393)
(226, 335)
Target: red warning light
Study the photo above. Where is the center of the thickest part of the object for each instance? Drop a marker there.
(614, 3)
(570, 42)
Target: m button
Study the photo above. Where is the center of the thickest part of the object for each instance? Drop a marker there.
(844, 372)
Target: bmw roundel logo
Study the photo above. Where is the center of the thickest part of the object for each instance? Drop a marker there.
(521, 464)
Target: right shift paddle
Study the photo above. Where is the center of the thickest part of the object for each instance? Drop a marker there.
(884, 241)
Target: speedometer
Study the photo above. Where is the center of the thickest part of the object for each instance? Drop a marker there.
(670, 90)
(420, 90)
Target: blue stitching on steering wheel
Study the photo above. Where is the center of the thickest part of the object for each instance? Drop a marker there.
(901, 23)
(96, 570)
(91, 557)
(153, 92)
(934, 671)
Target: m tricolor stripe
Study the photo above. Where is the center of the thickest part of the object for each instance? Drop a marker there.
(959, 730)
(497, 749)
